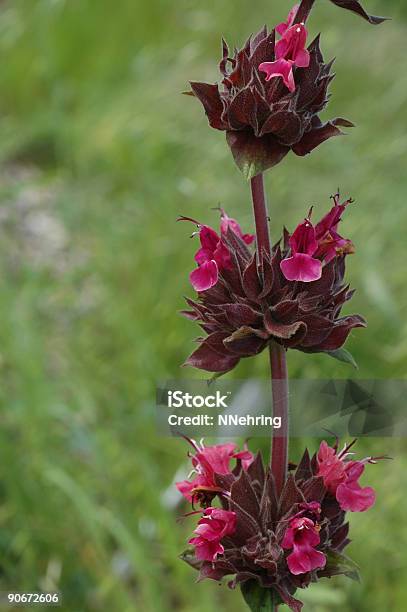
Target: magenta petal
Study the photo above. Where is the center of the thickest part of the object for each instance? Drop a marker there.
(204, 277)
(302, 59)
(329, 222)
(208, 237)
(203, 255)
(301, 267)
(228, 222)
(224, 519)
(222, 256)
(207, 531)
(216, 458)
(354, 470)
(330, 467)
(246, 457)
(212, 527)
(305, 559)
(291, 47)
(302, 536)
(282, 27)
(303, 239)
(280, 68)
(185, 488)
(352, 497)
(288, 540)
(282, 48)
(248, 238)
(206, 551)
(329, 254)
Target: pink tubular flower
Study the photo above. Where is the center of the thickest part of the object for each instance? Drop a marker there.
(212, 527)
(290, 51)
(213, 256)
(330, 243)
(302, 536)
(312, 247)
(350, 495)
(302, 266)
(309, 508)
(341, 477)
(208, 461)
(227, 222)
(283, 27)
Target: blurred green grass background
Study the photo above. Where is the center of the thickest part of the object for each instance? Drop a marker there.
(99, 153)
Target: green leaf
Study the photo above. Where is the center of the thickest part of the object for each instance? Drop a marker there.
(337, 563)
(259, 599)
(254, 155)
(343, 355)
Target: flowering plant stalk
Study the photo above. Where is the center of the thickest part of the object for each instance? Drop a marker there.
(278, 361)
(275, 528)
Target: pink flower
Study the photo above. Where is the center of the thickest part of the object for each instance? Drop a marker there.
(212, 527)
(341, 477)
(245, 456)
(312, 247)
(350, 495)
(283, 27)
(309, 508)
(207, 462)
(330, 243)
(302, 266)
(291, 46)
(330, 467)
(213, 256)
(302, 536)
(289, 52)
(228, 222)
